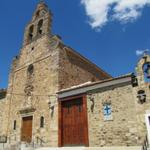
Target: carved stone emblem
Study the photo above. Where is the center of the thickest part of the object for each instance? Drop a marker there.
(28, 90)
(27, 110)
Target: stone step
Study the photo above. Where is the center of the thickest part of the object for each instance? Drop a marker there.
(93, 148)
(62, 148)
(4, 146)
(28, 147)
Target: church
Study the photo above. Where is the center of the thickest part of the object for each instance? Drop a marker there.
(58, 98)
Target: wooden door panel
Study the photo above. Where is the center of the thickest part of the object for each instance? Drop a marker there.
(73, 122)
(26, 135)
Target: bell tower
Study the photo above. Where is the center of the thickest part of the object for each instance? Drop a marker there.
(143, 70)
(39, 25)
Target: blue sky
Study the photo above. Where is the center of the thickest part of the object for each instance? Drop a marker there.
(110, 42)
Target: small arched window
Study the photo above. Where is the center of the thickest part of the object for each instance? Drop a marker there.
(30, 69)
(15, 123)
(42, 122)
(31, 32)
(40, 27)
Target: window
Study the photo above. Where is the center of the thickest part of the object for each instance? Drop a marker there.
(14, 127)
(30, 69)
(40, 25)
(42, 122)
(31, 32)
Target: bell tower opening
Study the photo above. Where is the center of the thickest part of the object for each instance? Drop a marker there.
(40, 27)
(143, 72)
(146, 70)
(31, 32)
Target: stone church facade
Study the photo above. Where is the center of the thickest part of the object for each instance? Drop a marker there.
(57, 97)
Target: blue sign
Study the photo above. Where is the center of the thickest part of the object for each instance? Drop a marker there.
(107, 110)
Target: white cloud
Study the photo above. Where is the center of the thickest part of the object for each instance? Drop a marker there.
(124, 11)
(97, 10)
(141, 52)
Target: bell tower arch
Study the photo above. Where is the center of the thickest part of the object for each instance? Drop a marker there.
(39, 25)
(143, 70)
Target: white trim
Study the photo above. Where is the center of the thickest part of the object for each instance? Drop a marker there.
(85, 89)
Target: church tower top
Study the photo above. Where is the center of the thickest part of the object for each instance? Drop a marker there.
(40, 23)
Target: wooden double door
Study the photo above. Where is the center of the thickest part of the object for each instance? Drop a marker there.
(74, 123)
(26, 131)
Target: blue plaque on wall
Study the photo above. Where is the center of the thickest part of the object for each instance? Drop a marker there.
(107, 110)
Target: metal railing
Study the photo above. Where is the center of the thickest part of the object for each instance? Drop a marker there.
(146, 144)
(3, 141)
(36, 143)
(40, 141)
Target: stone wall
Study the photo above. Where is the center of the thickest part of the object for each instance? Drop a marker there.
(4, 104)
(74, 69)
(123, 129)
(3, 119)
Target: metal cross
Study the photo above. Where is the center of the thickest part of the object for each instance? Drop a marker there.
(41, 1)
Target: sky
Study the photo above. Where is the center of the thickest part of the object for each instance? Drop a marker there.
(111, 33)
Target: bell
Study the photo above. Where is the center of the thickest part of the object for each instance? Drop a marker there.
(147, 71)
